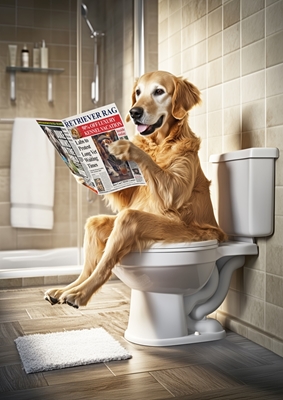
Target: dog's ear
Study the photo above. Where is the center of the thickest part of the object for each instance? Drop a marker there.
(128, 118)
(185, 96)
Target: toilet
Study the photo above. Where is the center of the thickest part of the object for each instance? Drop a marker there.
(175, 286)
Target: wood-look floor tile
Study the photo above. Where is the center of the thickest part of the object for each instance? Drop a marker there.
(47, 311)
(155, 358)
(55, 324)
(9, 331)
(9, 355)
(239, 393)
(194, 379)
(13, 378)
(128, 387)
(229, 356)
(77, 374)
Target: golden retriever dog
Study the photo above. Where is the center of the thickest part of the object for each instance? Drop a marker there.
(174, 206)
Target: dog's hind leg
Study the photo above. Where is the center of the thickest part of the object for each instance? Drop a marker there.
(97, 231)
(132, 230)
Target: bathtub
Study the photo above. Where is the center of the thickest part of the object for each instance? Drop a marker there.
(34, 263)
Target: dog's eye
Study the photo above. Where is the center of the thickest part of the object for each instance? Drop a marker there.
(158, 92)
(138, 92)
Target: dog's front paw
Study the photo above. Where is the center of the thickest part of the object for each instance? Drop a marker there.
(121, 149)
(74, 298)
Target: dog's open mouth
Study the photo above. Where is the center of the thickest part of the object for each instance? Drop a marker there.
(148, 129)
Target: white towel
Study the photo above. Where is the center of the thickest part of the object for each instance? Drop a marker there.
(32, 176)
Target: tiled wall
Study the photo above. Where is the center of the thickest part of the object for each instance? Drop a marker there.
(232, 50)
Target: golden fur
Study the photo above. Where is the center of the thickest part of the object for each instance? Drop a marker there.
(174, 206)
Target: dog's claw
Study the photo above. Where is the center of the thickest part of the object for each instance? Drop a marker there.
(52, 300)
(72, 305)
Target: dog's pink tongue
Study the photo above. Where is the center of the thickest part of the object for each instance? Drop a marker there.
(142, 128)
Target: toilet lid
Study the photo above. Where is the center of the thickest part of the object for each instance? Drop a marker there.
(184, 246)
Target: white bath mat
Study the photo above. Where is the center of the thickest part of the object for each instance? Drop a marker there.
(43, 352)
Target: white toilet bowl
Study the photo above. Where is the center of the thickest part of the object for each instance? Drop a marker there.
(175, 286)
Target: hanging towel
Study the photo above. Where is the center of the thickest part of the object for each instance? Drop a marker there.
(32, 176)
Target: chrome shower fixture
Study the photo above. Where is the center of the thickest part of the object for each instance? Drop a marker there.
(92, 31)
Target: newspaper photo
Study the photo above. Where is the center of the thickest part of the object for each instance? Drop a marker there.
(82, 142)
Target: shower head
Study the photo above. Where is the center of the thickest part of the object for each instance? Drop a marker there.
(84, 12)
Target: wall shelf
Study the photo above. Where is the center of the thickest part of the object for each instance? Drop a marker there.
(49, 71)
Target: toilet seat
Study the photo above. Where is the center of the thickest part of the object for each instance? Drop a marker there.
(161, 247)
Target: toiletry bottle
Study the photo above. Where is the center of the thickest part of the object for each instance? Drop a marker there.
(13, 54)
(44, 55)
(36, 56)
(25, 57)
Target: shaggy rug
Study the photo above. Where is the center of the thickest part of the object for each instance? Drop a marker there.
(43, 352)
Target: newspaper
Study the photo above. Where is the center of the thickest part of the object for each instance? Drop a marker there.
(82, 142)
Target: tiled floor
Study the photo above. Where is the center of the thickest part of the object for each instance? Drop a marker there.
(232, 368)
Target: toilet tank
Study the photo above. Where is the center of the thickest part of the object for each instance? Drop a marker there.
(243, 186)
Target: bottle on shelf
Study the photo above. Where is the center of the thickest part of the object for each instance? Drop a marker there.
(43, 55)
(36, 56)
(25, 57)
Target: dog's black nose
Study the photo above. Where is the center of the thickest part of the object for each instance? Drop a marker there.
(136, 112)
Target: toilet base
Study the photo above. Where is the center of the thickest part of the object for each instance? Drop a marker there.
(159, 319)
(189, 339)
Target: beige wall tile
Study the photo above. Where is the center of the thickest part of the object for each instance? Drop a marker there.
(231, 66)
(231, 38)
(252, 311)
(254, 283)
(4, 185)
(215, 72)
(232, 120)
(254, 138)
(231, 304)
(274, 49)
(274, 80)
(253, 87)
(279, 201)
(163, 9)
(214, 46)
(274, 106)
(251, 7)
(274, 259)
(174, 22)
(215, 123)
(214, 22)
(232, 142)
(231, 93)
(274, 20)
(253, 57)
(200, 77)
(274, 290)
(274, 318)
(253, 28)
(214, 98)
(212, 4)
(231, 13)
(174, 43)
(253, 115)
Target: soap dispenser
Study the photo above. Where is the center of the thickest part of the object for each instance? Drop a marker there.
(44, 55)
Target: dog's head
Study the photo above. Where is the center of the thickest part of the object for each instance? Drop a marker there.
(160, 98)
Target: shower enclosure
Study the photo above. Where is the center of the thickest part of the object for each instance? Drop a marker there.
(102, 47)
